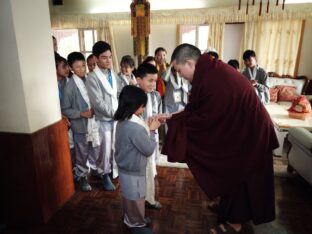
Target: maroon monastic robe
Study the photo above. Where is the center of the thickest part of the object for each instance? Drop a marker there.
(224, 134)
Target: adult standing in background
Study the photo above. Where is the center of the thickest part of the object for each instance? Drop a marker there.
(257, 76)
(226, 137)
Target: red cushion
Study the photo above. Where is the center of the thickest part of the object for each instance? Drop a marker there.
(286, 93)
(273, 94)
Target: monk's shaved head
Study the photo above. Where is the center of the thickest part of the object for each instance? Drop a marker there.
(185, 52)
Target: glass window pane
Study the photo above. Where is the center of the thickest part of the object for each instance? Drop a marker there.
(188, 34)
(67, 40)
(203, 31)
(88, 39)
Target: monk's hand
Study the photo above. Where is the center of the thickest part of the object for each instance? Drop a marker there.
(154, 124)
(162, 118)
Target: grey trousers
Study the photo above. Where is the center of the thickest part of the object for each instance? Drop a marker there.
(134, 212)
(101, 161)
(84, 151)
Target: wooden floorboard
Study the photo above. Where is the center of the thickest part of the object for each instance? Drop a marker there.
(184, 208)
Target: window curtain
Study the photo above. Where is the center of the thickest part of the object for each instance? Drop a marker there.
(276, 44)
(105, 33)
(215, 37)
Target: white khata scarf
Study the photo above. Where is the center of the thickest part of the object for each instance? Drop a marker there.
(93, 129)
(127, 78)
(111, 90)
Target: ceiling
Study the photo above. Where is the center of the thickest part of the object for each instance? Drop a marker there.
(111, 6)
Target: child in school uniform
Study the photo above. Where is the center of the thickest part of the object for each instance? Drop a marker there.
(126, 76)
(146, 78)
(91, 62)
(135, 142)
(62, 74)
(177, 89)
(102, 89)
(77, 108)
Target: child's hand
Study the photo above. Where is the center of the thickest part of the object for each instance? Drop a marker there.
(86, 114)
(154, 124)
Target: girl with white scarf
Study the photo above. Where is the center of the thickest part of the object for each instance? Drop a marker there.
(135, 142)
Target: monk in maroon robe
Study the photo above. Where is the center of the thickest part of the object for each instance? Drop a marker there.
(226, 137)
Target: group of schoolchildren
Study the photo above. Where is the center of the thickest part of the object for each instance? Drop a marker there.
(114, 119)
(113, 122)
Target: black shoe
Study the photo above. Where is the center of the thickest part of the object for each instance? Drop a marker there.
(84, 184)
(147, 221)
(155, 206)
(141, 230)
(94, 173)
(107, 183)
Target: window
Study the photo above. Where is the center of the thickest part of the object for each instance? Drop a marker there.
(70, 40)
(67, 41)
(196, 35)
(87, 39)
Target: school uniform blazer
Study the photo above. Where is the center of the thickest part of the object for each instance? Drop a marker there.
(72, 105)
(133, 145)
(169, 99)
(262, 86)
(101, 100)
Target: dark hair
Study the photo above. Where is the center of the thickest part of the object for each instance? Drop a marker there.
(53, 37)
(90, 57)
(248, 54)
(234, 63)
(59, 59)
(75, 56)
(149, 59)
(131, 98)
(100, 47)
(213, 54)
(160, 49)
(127, 59)
(144, 69)
(184, 52)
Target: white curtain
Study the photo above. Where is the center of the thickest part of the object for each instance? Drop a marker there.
(276, 44)
(105, 33)
(215, 37)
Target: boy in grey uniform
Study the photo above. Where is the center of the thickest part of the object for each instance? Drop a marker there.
(102, 89)
(76, 106)
(146, 78)
(258, 76)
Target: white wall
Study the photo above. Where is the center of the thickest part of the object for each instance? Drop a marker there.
(305, 65)
(233, 34)
(28, 91)
(123, 40)
(161, 36)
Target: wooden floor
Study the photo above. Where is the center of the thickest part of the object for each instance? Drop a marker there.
(184, 208)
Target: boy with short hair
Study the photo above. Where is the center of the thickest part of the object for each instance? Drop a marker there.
(257, 76)
(146, 77)
(102, 89)
(76, 106)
